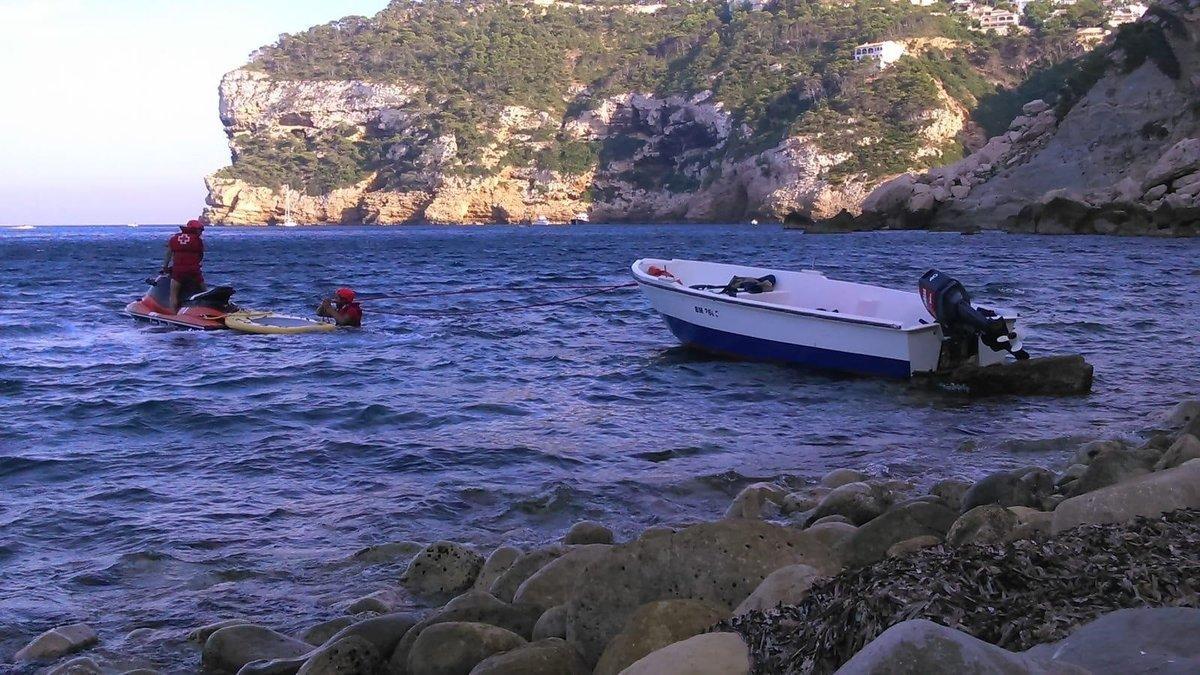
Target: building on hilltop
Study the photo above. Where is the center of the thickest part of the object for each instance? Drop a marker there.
(1090, 37)
(884, 53)
(1126, 14)
(997, 20)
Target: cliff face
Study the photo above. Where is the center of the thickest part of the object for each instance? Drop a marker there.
(1123, 159)
(796, 140)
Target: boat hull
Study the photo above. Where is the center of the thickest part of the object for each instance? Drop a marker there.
(194, 318)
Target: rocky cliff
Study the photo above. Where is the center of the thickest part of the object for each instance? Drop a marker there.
(1123, 158)
(685, 111)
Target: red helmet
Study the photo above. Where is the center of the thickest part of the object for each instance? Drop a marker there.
(194, 225)
(345, 294)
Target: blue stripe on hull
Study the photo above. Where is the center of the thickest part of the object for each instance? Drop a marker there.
(759, 349)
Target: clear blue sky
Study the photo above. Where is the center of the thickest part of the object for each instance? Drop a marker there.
(109, 109)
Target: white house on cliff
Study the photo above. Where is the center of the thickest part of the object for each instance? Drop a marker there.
(883, 53)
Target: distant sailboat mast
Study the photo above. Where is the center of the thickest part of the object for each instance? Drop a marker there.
(287, 207)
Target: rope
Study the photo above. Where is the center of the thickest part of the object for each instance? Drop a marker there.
(490, 310)
(478, 290)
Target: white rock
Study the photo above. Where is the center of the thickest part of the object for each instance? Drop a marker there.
(786, 585)
(708, 654)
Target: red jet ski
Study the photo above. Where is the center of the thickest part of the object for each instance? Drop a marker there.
(199, 309)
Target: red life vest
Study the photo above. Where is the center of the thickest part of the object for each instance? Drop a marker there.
(349, 314)
(187, 250)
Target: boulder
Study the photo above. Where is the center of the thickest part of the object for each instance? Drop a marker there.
(832, 519)
(1031, 523)
(859, 502)
(58, 642)
(1186, 448)
(200, 635)
(872, 541)
(907, 546)
(386, 553)
(551, 624)
(654, 626)
(1040, 376)
(1148, 495)
(890, 196)
(707, 654)
(718, 562)
(456, 647)
(951, 490)
(832, 534)
(506, 585)
(344, 656)
(840, 477)
(984, 525)
(442, 570)
(588, 532)
(474, 607)
(232, 647)
(1072, 473)
(496, 564)
(797, 502)
(81, 665)
(920, 647)
(1183, 413)
(959, 191)
(1093, 449)
(758, 500)
(1010, 488)
(921, 202)
(1111, 467)
(1035, 106)
(553, 584)
(786, 585)
(1181, 159)
(383, 601)
(552, 656)
(1144, 640)
(381, 632)
(318, 634)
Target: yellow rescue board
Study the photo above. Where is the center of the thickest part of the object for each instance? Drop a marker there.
(270, 323)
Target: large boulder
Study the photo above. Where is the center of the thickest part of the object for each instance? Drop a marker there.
(833, 534)
(588, 532)
(920, 647)
(552, 623)
(58, 642)
(553, 584)
(758, 500)
(903, 548)
(232, 647)
(786, 585)
(496, 564)
(655, 625)
(1165, 640)
(1031, 523)
(1185, 448)
(840, 477)
(475, 607)
(859, 502)
(442, 570)
(1010, 488)
(389, 552)
(718, 562)
(707, 654)
(200, 635)
(506, 585)
(890, 196)
(917, 519)
(1181, 159)
(1111, 467)
(454, 648)
(552, 656)
(951, 491)
(1183, 413)
(1148, 495)
(351, 654)
(318, 634)
(987, 524)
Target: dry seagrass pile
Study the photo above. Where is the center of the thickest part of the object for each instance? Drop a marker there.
(1015, 596)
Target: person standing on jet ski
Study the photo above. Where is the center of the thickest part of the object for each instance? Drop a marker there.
(185, 252)
(342, 309)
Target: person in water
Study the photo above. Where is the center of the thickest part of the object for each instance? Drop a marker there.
(185, 252)
(342, 308)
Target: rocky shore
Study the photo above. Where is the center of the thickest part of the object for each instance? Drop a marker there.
(1092, 568)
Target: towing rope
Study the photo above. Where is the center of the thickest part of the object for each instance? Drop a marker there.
(598, 290)
(484, 289)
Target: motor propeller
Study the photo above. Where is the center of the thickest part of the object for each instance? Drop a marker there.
(949, 303)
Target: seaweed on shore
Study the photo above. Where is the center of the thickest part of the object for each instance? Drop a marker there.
(1016, 596)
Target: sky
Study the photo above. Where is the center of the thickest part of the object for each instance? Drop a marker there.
(109, 107)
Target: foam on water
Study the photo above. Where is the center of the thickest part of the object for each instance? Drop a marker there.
(165, 479)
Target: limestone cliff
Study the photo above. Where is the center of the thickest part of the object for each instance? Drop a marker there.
(1122, 159)
(332, 126)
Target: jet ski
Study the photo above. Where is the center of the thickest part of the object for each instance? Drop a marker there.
(199, 309)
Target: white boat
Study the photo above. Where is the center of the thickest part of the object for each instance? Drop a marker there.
(131, 225)
(287, 208)
(541, 220)
(581, 218)
(24, 227)
(806, 318)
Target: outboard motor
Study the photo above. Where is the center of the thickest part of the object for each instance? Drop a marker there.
(950, 304)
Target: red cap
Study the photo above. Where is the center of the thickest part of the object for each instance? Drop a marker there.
(345, 294)
(194, 225)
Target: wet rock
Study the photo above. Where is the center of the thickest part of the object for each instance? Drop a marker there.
(840, 477)
(588, 532)
(872, 541)
(920, 647)
(475, 607)
(797, 502)
(552, 656)
(654, 626)
(383, 632)
(1183, 413)
(758, 500)
(456, 647)
(442, 570)
(553, 584)
(1073, 472)
(1010, 488)
(910, 545)
(232, 647)
(984, 525)
(82, 665)
(200, 635)
(833, 519)
(383, 601)
(1042, 376)
(351, 655)
(1111, 467)
(1147, 495)
(859, 502)
(708, 654)
(318, 634)
(1186, 448)
(496, 564)
(718, 562)
(387, 553)
(506, 585)
(787, 585)
(1144, 640)
(832, 534)
(952, 491)
(551, 624)
(1090, 451)
(58, 642)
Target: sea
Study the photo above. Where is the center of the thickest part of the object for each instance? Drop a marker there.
(160, 479)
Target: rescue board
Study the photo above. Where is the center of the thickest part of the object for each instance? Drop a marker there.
(270, 323)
